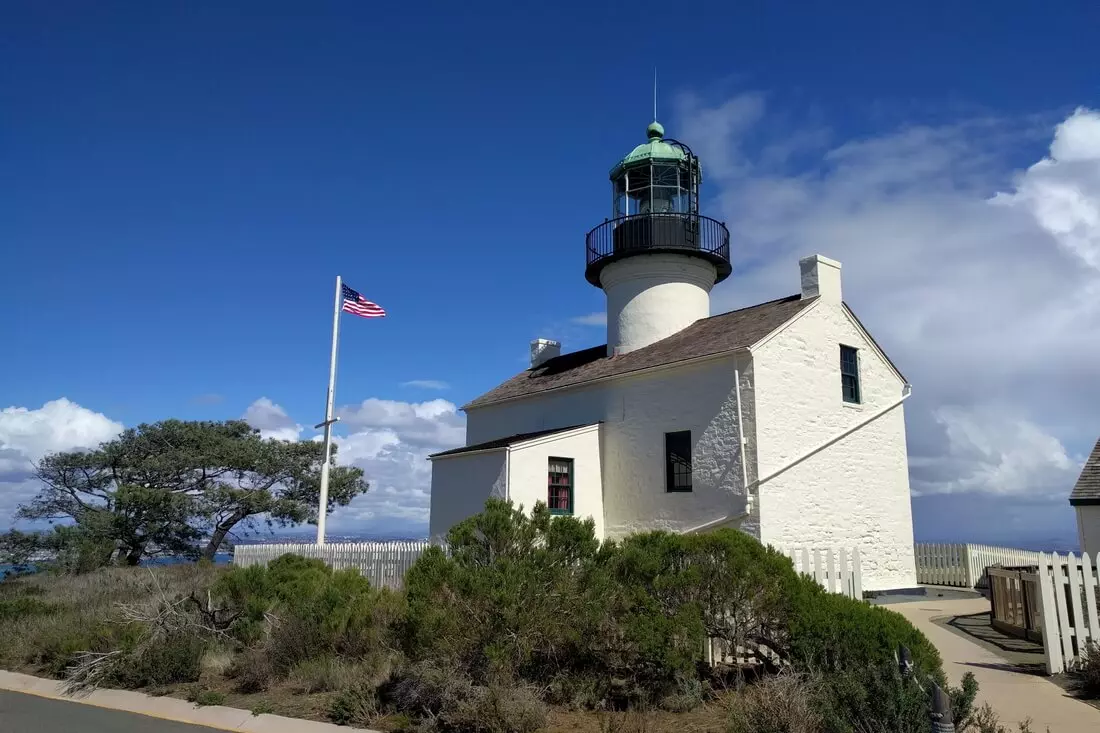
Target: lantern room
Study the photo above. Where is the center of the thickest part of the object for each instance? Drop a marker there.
(655, 209)
(657, 177)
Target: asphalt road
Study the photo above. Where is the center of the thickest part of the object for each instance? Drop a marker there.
(21, 713)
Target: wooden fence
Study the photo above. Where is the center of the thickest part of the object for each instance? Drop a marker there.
(383, 563)
(1016, 602)
(964, 566)
(1067, 607)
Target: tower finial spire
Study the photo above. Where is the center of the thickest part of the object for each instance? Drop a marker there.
(654, 93)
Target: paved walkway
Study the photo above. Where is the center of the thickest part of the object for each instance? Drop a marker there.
(40, 707)
(1014, 695)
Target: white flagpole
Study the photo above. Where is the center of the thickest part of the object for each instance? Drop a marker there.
(322, 504)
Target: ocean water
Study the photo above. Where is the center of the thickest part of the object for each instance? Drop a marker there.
(222, 558)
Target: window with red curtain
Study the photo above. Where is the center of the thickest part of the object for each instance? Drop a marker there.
(559, 494)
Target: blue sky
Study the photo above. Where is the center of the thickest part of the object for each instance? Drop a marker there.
(183, 180)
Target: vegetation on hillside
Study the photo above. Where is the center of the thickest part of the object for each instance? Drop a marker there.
(526, 618)
(172, 488)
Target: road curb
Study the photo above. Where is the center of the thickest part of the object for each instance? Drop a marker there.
(168, 708)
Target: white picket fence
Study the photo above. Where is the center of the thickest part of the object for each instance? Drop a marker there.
(837, 571)
(964, 565)
(1068, 589)
(383, 563)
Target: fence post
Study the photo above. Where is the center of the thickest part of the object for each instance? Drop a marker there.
(1048, 612)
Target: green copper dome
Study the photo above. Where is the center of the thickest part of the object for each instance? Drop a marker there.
(654, 149)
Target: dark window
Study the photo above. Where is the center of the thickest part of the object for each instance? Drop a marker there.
(849, 374)
(559, 494)
(678, 461)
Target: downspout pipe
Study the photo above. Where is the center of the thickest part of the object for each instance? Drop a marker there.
(754, 487)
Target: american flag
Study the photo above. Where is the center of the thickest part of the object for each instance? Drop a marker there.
(360, 306)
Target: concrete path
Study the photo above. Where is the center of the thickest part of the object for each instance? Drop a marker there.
(1014, 695)
(39, 706)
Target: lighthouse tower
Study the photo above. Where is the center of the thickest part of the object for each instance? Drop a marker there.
(657, 258)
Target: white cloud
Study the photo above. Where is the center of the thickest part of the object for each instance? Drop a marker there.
(981, 282)
(26, 435)
(592, 319)
(271, 420)
(391, 441)
(426, 384)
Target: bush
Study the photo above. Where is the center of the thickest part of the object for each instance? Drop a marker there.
(785, 703)
(252, 671)
(1086, 672)
(298, 610)
(878, 698)
(327, 674)
(446, 701)
(162, 661)
(13, 609)
(829, 633)
(356, 705)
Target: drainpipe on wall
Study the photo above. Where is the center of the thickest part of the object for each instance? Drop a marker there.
(754, 487)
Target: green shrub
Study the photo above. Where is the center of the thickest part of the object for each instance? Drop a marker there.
(298, 609)
(878, 698)
(13, 609)
(1086, 672)
(829, 632)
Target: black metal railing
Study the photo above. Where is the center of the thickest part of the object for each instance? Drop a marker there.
(650, 233)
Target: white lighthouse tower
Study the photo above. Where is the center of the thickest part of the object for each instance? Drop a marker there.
(657, 258)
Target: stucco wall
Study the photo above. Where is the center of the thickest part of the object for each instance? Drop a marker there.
(637, 412)
(1088, 529)
(856, 491)
(653, 296)
(527, 474)
(460, 486)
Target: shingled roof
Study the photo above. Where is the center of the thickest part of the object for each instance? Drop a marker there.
(737, 329)
(1087, 489)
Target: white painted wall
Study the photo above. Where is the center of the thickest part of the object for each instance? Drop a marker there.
(461, 484)
(528, 477)
(1088, 529)
(653, 296)
(636, 412)
(856, 491)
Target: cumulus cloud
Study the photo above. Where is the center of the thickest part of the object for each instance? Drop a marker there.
(426, 384)
(271, 420)
(981, 281)
(26, 435)
(391, 441)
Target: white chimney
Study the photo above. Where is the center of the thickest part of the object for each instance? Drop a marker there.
(820, 278)
(543, 349)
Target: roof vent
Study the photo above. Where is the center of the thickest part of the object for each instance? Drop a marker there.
(543, 350)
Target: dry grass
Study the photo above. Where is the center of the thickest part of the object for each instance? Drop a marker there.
(780, 704)
(82, 612)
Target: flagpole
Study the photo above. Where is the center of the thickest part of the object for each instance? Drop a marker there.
(322, 504)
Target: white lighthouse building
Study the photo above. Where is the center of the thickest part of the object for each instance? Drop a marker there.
(783, 419)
